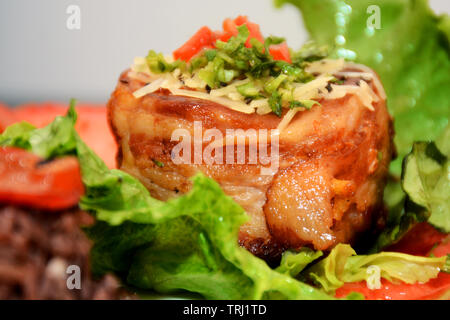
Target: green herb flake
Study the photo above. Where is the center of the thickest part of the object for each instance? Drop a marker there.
(273, 84)
(158, 163)
(307, 104)
(275, 103)
(248, 90)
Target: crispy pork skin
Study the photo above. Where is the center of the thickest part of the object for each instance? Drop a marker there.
(327, 189)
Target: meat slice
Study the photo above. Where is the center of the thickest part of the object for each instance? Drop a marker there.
(333, 162)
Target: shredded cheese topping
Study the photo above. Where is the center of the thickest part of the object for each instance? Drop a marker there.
(326, 66)
(312, 89)
(376, 81)
(322, 87)
(373, 279)
(233, 105)
(287, 119)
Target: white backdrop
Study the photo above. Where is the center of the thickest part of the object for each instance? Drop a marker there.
(41, 60)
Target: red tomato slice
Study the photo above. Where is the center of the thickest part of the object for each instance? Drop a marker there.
(419, 240)
(203, 37)
(92, 125)
(433, 289)
(40, 114)
(6, 117)
(27, 180)
(280, 52)
(442, 249)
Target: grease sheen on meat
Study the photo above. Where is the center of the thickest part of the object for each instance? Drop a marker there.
(328, 187)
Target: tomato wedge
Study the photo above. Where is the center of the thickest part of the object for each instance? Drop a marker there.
(240, 20)
(7, 117)
(419, 240)
(433, 289)
(280, 52)
(443, 248)
(205, 38)
(40, 114)
(230, 30)
(26, 180)
(202, 38)
(255, 33)
(92, 125)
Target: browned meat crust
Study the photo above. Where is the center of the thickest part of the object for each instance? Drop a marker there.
(328, 189)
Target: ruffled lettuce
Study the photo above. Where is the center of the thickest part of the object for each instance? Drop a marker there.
(292, 263)
(426, 183)
(58, 138)
(342, 265)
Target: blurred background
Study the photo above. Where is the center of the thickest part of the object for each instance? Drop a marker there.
(42, 60)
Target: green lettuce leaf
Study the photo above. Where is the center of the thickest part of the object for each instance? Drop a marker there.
(292, 263)
(447, 264)
(58, 138)
(17, 135)
(410, 52)
(342, 265)
(426, 183)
